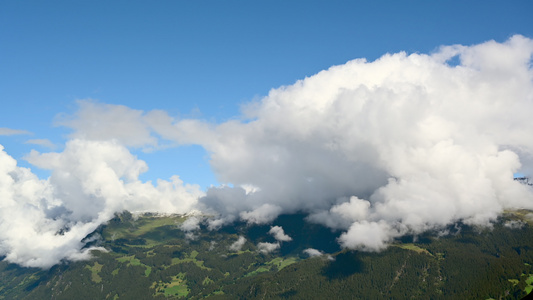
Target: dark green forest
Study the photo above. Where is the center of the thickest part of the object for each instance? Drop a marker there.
(149, 257)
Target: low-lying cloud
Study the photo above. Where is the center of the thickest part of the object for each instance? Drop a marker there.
(268, 247)
(380, 149)
(44, 221)
(238, 244)
(279, 234)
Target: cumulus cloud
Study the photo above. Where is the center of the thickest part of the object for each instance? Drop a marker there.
(237, 245)
(45, 221)
(341, 216)
(403, 144)
(267, 247)
(28, 231)
(279, 234)
(368, 236)
(96, 176)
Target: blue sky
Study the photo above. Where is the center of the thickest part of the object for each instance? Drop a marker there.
(204, 59)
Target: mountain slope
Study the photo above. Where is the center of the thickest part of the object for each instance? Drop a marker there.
(150, 257)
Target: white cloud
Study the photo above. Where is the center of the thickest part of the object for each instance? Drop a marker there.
(106, 122)
(29, 225)
(9, 131)
(402, 144)
(279, 234)
(44, 221)
(264, 214)
(237, 245)
(514, 224)
(529, 216)
(95, 175)
(191, 224)
(342, 215)
(313, 252)
(267, 247)
(368, 236)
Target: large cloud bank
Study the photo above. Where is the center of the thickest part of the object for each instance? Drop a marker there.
(377, 149)
(400, 145)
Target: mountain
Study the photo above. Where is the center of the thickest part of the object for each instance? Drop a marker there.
(151, 257)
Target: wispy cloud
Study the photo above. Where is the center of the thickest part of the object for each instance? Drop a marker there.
(42, 142)
(9, 131)
(106, 122)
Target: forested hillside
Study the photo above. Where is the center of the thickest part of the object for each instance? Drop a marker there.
(150, 257)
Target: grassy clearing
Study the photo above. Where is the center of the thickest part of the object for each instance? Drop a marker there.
(95, 269)
(147, 271)
(28, 279)
(529, 280)
(413, 247)
(177, 290)
(514, 281)
(528, 289)
(149, 244)
(199, 263)
(150, 224)
(523, 215)
(142, 226)
(190, 258)
(132, 261)
(281, 263)
(177, 287)
(207, 281)
(257, 271)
